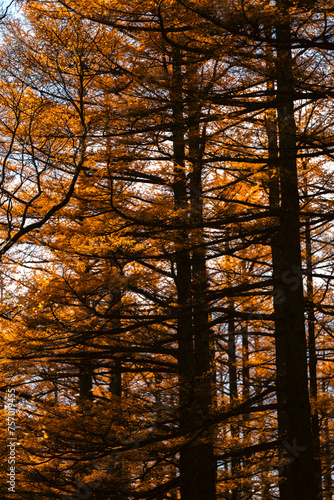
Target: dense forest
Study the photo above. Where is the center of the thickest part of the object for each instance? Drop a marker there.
(166, 243)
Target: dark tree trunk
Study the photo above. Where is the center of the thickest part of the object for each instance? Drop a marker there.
(246, 483)
(232, 372)
(197, 463)
(312, 355)
(327, 453)
(86, 380)
(202, 333)
(189, 486)
(115, 384)
(294, 416)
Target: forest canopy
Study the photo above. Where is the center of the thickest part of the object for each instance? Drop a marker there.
(166, 244)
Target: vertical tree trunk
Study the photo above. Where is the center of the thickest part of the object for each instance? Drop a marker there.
(312, 354)
(85, 380)
(232, 372)
(246, 483)
(294, 416)
(115, 373)
(202, 333)
(327, 453)
(189, 487)
(115, 383)
(276, 254)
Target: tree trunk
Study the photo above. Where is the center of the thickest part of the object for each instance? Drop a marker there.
(202, 333)
(232, 372)
(246, 483)
(85, 380)
(189, 487)
(327, 452)
(312, 355)
(294, 416)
